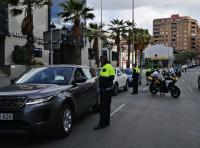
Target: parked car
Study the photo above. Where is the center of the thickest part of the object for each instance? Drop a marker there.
(120, 80)
(129, 73)
(184, 66)
(47, 99)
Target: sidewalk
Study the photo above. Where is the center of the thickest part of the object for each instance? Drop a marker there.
(4, 80)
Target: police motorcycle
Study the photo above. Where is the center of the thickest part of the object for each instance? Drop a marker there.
(167, 85)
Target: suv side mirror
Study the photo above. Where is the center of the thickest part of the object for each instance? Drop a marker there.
(82, 80)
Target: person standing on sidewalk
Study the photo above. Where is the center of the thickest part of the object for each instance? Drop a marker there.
(106, 78)
(135, 77)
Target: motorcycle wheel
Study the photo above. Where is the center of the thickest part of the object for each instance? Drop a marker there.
(153, 89)
(175, 92)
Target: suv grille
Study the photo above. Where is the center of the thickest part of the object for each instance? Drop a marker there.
(12, 101)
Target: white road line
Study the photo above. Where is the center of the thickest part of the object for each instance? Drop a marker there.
(145, 88)
(190, 89)
(120, 107)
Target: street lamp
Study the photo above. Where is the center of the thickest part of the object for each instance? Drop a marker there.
(52, 26)
(133, 34)
(101, 23)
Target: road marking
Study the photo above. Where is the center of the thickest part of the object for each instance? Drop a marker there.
(145, 88)
(190, 89)
(120, 107)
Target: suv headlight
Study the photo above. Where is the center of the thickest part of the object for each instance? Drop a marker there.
(39, 100)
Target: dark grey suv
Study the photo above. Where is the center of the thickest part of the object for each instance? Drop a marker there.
(48, 99)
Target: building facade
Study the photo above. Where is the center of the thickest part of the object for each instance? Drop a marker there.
(11, 36)
(182, 33)
(159, 54)
(67, 46)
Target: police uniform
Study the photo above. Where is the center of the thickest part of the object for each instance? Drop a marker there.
(148, 73)
(106, 78)
(135, 77)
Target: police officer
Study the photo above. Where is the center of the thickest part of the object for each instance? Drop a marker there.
(135, 77)
(148, 73)
(106, 78)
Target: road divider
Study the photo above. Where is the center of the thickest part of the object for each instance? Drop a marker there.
(115, 111)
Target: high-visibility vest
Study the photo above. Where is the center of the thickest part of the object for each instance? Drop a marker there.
(107, 70)
(149, 70)
(137, 69)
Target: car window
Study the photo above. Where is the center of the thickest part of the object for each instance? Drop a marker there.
(119, 72)
(93, 73)
(98, 71)
(46, 75)
(87, 72)
(78, 75)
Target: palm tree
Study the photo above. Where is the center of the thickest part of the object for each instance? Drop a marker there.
(116, 28)
(74, 11)
(27, 27)
(141, 40)
(94, 32)
(127, 35)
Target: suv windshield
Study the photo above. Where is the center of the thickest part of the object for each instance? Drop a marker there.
(46, 75)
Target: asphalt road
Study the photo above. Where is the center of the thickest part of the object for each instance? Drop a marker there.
(137, 121)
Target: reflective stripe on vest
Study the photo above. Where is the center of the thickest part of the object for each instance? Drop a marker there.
(107, 71)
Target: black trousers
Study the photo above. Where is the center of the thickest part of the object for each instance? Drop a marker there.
(105, 102)
(135, 85)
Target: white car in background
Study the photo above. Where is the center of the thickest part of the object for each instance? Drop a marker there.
(120, 80)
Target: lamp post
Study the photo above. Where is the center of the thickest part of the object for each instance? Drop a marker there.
(101, 23)
(133, 33)
(52, 26)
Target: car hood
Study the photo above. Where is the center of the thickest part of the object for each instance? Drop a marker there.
(32, 90)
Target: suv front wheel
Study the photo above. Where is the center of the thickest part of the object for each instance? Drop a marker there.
(65, 121)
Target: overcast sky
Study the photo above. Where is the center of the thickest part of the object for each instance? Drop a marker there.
(145, 10)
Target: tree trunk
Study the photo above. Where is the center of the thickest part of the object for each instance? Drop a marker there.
(118, 55)
(30, 36)
(96, 48)
(141, 58)
(129, 52)
(136, 57)
(77, 52)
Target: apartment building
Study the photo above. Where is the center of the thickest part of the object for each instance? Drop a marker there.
(182, 33)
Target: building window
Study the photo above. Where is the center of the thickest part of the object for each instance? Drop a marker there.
(37, 52)
(114, 56)
(105, 52)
